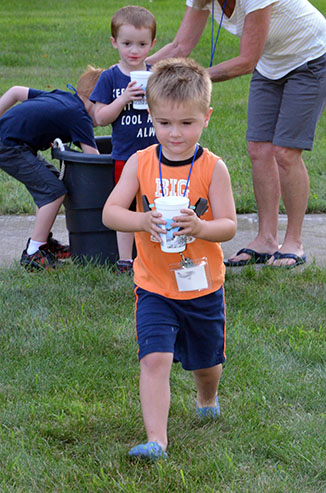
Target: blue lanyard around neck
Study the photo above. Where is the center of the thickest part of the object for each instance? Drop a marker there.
(213, 48)
(160, 170)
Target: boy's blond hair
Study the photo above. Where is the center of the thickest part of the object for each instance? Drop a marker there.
(179, 80)
(87, 81)
(134, 15)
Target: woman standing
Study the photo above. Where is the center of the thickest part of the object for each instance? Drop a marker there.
(283, 44)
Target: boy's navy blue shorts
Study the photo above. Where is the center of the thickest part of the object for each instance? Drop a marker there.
(39, 176)
(193, 330)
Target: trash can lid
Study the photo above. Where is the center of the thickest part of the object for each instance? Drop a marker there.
(80, 157)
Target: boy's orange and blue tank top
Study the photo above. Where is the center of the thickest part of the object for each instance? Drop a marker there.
(152, 266)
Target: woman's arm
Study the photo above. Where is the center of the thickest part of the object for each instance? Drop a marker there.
(12, 96)
(187, 37)
(253, 39)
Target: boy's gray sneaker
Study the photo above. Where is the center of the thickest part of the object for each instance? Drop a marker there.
(125, 267)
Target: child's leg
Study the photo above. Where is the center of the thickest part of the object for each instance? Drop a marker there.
(155, 395)
(207, 381)
(124, 240)
(44, 219)
(125, 243)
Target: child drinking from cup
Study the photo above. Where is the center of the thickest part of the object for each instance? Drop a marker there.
(179, 296)
(133, 31)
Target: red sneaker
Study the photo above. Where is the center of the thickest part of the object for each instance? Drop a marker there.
(43, 259)
(57, 249)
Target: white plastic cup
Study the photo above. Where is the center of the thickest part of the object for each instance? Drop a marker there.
(141, 77)
(169, 207)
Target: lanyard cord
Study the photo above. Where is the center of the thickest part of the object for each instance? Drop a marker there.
(69, 86)
(160, 170)
(213, 48)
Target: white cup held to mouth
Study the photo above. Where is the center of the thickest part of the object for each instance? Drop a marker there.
(141, 77)
(169, 207)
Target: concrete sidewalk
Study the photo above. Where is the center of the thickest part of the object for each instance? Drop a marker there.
(15, 230)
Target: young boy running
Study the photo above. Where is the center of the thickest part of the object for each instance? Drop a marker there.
(133, 31)
(174, 324)
(30, 127)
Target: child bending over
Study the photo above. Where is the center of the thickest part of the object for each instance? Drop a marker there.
(30, 127)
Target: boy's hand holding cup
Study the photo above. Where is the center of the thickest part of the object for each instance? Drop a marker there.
(141, 77)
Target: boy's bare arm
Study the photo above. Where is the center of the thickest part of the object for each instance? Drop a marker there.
(108, 113)
(116, 213)
(223, 226)
(88, 149)
(12, 96)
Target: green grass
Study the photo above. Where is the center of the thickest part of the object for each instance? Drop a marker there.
(69, 404)
(49, 44)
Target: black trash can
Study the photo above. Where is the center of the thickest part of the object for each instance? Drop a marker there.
(89, 179)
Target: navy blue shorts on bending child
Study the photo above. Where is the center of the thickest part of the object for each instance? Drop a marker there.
(40, 177)
(193, 330)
